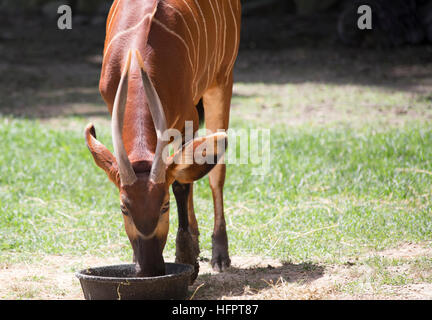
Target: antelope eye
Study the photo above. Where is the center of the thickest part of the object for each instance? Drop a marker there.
(124, 210)
(165, 208)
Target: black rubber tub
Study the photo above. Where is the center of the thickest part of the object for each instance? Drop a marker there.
(118, 282)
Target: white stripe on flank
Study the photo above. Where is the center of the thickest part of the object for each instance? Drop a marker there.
(198, 48)
(219, 47)
(179, 37)
(231, 65)
(216, 38)
(224, 34)
(215, 19)
(193, 44)
(187, 27)
(205, 32)
(122, 33)
(207, 64)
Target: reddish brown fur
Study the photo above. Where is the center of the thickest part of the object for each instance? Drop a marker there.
(181, 78)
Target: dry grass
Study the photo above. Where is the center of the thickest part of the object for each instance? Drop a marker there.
(402, 273)
(50, 278)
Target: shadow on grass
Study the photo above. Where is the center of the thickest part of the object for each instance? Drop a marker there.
(251, 281)
(303, 49)
(50, 73)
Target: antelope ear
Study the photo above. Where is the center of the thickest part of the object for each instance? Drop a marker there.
(197, 158)
(101, 155)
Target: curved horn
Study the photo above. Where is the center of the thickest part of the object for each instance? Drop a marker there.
(126, 172)
(157, 174)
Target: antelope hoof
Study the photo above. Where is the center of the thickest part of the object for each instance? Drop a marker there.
(220, 264)
(220, 258)
(187, 251)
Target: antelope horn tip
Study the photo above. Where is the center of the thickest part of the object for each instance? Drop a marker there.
(128, 62)
(140, 60)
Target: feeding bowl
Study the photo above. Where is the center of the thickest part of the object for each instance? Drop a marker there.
(119, 282)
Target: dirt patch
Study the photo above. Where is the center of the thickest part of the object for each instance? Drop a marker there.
(249, 278)
(258, 278)
(420, 291)
(407, 251)
(51, 278)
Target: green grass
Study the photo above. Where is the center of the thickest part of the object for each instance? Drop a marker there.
(331, 192)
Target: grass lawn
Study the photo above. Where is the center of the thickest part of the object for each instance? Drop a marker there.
(331, 191)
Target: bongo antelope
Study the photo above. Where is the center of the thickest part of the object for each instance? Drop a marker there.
(161, 59)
